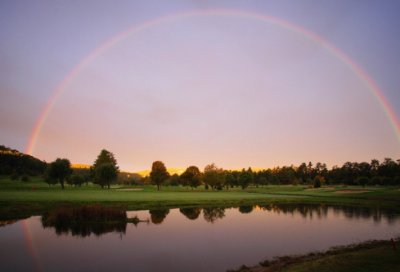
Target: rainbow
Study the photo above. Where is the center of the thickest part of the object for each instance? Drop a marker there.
(31, 245)
(294, 28)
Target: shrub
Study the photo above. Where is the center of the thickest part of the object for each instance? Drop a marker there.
(14, 176)
(25, 178)
(386, 181)
(265, 263)
(206, 187)
(296, 182)
(219, 188)
(363, 181)
(397, 180)
(318, 181)
(310, 186)
(375, 180)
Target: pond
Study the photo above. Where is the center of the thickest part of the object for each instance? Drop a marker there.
(199, 239)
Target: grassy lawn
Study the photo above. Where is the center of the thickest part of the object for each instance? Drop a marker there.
(364, 257)
(18, 200)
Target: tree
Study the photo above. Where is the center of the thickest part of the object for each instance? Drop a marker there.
(310, 168)
(192, 176)
(229, 179)
(275, 180)
(263, 181)
(213, 176)
(318, 181)
(60, 169)
(49, 180)
(104, 157)
(159, 173)
(375, 180)
(245, 178)
(106, 173)
(363, 181)
(77, 180)
(175, 180)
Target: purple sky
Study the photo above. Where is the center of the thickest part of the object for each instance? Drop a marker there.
(235, 91)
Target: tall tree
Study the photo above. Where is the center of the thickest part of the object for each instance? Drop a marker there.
(310, 168)
(159, 173)
(60, 169)
(106, 173)
(104, 157)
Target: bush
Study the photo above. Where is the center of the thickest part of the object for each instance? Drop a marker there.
(387, 181)
(296, 182)
(25, 178)
(265, 263)
(310, 186)
(219, 188)
(318, 181)
(397, 180)
(14, 176)
(375, 181)
(363, 181)
(206, 187)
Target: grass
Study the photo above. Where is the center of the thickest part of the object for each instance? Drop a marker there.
(365, 257)
(18, 200)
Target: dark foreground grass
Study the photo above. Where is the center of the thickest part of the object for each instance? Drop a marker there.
(363, 257)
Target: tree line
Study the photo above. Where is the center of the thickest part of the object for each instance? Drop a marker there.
(351, 173)
(105, 172)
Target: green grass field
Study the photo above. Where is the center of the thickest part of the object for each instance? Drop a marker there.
(17, 199)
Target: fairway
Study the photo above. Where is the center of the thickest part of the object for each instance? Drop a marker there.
(19, 200)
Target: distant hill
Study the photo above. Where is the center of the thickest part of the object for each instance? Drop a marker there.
(171, 171)
(179, 171)
(145, 173)
(82, 166)
(11, 160)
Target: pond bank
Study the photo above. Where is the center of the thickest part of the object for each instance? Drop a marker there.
(366, 256)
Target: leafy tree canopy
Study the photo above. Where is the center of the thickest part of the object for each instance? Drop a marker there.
(159, 173)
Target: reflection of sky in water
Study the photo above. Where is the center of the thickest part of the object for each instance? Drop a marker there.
(182, 244)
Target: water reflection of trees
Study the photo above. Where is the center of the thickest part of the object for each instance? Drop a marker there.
(84, 230)
(213, 213)
(245, 209)
(158, 216)
(321, 211)
(4, 223)
(191, 213)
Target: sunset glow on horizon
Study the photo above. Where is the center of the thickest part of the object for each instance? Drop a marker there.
(255, 84)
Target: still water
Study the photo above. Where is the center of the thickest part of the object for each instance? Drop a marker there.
(201, 239)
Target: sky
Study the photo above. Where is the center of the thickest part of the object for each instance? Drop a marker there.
(237, 83)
